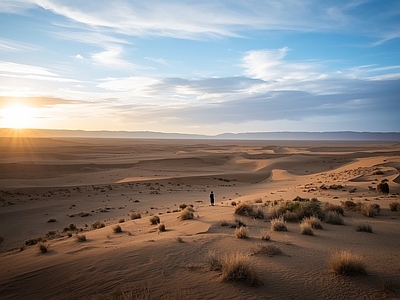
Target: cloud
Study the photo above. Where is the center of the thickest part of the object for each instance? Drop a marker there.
(15, 46)
(37, 102)
(137, 84)
(111, 57)
(10, 67)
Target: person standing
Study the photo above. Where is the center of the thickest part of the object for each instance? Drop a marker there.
(212, 198)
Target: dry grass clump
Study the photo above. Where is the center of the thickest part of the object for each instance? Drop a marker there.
(186, 214)
(349, 205)
(299, 208)
(259, 200)
(117, 229)
(248, 210)
(43, 247)
(334, 218)
(98, 224)
(265, 235)
(278, 224)
(154, 220)
(306, 229)
(81, 238)
(237, 267)
(313, 221)
(394, 206)
(347, 263)
(383, 187)
(369, 210)
(135, 215)
(213, 260)
(267, 249)
(364, 226)
(241, 233)
(333, 207)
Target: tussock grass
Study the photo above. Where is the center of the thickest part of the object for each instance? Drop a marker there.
(81, 238)
(306, 229)
(213, 260)
(296, 210)
(313, 221)
(267, 249)
(241, 233)
(186, 214)
(117, 229)
(237, 267)
(265, 235)
(363, 226)
(347, 263)
(98, 224)
(333, 207)
(278, 224)
(349, 205)
(154, 220)
(334, 218)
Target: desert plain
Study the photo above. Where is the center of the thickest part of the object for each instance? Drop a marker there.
(52, 191)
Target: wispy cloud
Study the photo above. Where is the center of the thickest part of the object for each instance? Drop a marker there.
(112, 57)
(16, 68)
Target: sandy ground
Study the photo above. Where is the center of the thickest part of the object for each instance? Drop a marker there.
(81, 181)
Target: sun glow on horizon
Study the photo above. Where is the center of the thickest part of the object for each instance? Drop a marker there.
(17, 116)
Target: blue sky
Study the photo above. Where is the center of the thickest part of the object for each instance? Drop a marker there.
(204, 67)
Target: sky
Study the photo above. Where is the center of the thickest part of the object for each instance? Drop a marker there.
(201, 67)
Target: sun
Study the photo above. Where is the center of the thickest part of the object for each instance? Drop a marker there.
(17, 116)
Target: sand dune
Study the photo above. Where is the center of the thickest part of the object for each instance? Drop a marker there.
(48, 184)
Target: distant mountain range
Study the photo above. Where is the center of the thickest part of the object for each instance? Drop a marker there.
(285, 135)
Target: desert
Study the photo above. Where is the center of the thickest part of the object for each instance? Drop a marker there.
(97, 218)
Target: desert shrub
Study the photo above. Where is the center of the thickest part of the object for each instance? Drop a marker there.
(248, 210)
(296, 210)
(50, 233)
(43, 247)
(98, 224)
(179, 239)
(394, 206)
(306, 229)
(333, 207)
(237, 267)
(225, 223)
(265, 235)
(348, 205)
(31, 242)
(241, 233)
(154, 220)
(186, 214)
(278, 224)
(121, 221)
(51, 220)
(346, 263)
(334, 218)
(213, 260)
(290, 216)
(369, 210)
(383, 187)
(161, 227)
(81, 238)
(239, 223)
(117, 229)
(72, 227)
(233, 203)
(259, 200)
(313, 221)
(182, 206)
(364, 226)
(300, 199)
(135, 215)
(267, 249)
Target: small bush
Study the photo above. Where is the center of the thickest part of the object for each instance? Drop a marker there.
(43, 247)
(161, 227)
(306, 229)
(241, 233)
(314, 222)
(259, 200)
(383, 187)
(334, 218)
(186, 214)
(72, 227)
(237, 267)
(239, 223)
(117, 229)
(370, 210)
(51, 221)
(394, 206)
(121, 221)
(278, 224)
(233, 203)
(290, 216)
(179, 239)
(135, 215)
(333, 207)
(349, 205)
(81, 238)
(248, 210)
(182, 206)
(346, 263)
(267, 249)
(98, 224)
(364, 226)
(154, 220)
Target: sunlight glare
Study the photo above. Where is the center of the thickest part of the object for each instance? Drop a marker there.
(17, 116)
